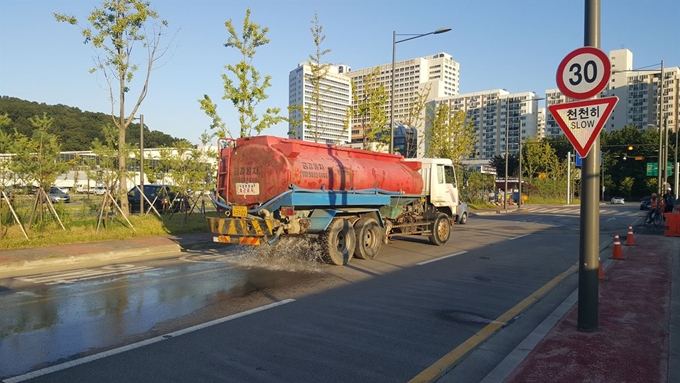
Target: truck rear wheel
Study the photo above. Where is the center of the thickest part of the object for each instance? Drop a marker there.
(441, 230)
(338, 242)
(369, 238)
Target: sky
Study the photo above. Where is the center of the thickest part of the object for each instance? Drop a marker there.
(500, 44)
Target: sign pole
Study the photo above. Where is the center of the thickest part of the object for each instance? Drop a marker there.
(589, 238)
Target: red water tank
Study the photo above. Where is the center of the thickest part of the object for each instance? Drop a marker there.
(260, 168)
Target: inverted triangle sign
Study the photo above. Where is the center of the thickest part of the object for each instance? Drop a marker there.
(582, 121)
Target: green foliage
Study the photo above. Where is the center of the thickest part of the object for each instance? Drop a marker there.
(476, 186)
(449, 134)
(498, 162)
(76, 129)
(368, 113)
(36, 158)
(115, 28)
(246, 91)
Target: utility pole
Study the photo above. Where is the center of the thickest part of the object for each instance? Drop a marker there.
(589, 236)
(660, 107)
(141, 164)
(568, 177)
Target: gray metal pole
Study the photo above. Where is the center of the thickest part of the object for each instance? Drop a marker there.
(665, 155)
(394, 54)
(141, 163)
(507, 118)
(569, 178)
(519, 184)
(675, 165)
(588, 277)
(659, 188)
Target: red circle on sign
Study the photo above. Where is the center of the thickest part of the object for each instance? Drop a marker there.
(598, 87)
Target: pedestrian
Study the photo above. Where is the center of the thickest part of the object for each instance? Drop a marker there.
(669, 201)
(653, 208)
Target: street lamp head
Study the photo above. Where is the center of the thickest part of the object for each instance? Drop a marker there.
(441, 30)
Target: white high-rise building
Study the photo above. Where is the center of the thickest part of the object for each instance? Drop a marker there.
(328, 124)
(491, 113)
(438, 74)
(638, 92)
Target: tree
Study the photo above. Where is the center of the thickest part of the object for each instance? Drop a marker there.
(319, 72)
(416, 108)
(539, 157)
(114, 30)
(449, 134)
(37, 160)
(368, 113)
(247, 92)
(498, 162)
(627, 185)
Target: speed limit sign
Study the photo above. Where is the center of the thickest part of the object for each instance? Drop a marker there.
(583, 73)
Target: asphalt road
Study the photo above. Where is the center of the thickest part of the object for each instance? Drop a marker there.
(274, 315)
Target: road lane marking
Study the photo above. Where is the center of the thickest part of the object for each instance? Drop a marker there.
(518, 237)
(440, 258)
(446, 362)
(129, 347)
(68, 277)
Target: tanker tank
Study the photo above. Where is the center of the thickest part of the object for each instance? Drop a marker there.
(260, 168)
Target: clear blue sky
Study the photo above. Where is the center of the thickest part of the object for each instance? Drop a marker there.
(513, 45)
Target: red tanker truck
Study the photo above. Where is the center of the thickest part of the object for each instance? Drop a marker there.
(351, 200)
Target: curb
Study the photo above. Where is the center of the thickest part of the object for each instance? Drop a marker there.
(22, 265)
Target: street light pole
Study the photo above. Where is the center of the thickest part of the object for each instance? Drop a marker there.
(141, 164)
(659, 187)
(519, 184)
(394, 55)
(507, 118)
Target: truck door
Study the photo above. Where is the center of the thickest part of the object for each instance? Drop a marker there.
(444, 191)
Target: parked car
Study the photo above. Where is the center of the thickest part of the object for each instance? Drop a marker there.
(159, 195)
(57, 195)
(646, 202)
(462, 213)
(617, 201)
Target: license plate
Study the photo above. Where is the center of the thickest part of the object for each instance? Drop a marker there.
(239, 211)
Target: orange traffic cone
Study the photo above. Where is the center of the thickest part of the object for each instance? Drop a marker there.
(602, 277)
(630, 240)
(618, 252)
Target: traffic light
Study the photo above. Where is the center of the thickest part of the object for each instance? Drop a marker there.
(630, 147)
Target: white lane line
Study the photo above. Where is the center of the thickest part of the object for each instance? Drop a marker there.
(440, 258)
(120, 350)
(518, 237)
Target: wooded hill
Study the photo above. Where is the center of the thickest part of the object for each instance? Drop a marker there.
(75, 128)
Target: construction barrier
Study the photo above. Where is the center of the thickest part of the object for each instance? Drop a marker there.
(672, 224)
(618, 252)
(630, 239)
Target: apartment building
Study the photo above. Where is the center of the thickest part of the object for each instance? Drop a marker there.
(329, 123)
(644, 101)
(437, 75)
(498, 117)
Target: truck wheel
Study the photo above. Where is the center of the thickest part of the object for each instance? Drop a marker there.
(369, 238)
(463, 219)
(441, 230)
(338, 242)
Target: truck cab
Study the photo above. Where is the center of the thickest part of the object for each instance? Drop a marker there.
(440, 184)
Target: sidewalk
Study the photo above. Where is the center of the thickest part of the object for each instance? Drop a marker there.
(638, 334)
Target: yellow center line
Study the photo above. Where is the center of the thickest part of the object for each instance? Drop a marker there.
(447, 361)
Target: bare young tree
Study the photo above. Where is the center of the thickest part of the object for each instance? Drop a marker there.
(301, 114)
(116, 27)
(368, 113)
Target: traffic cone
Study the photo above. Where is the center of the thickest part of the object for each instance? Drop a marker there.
(630, 240)
(618, 252)
(602, 277)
